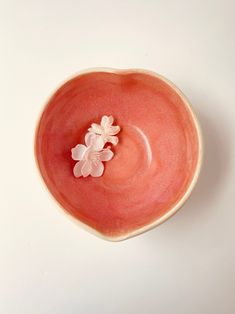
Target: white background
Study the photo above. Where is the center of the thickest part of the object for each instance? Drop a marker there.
(47, 263)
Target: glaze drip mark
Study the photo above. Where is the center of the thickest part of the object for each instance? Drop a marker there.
(90, 157)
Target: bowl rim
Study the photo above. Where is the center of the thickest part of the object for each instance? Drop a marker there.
(191, 186)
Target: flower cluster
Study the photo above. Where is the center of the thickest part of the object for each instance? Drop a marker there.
(90, 157)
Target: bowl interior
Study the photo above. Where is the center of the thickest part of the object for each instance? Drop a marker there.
(155, 160)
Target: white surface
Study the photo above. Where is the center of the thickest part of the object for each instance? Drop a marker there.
(47, 263)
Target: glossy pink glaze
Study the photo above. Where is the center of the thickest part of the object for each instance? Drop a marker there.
(154, 162)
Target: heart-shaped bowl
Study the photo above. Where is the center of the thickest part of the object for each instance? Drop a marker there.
(156, 162)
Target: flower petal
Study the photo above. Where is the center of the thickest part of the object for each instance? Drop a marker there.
(113, 130)
(77, 168)
(78, 152)
(97, 169)
(98, 143)
(95, 142)
(105, 121)
(96, 128)
(106, 154)
(86, 168)
(89, 138)
(113, 140)
(110, 120)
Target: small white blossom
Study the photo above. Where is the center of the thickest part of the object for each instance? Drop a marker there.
(106, 130)
(90, 157)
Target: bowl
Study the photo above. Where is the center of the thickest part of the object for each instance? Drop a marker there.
(156, 162)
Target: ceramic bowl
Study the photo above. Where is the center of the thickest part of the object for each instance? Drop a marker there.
(156, 162)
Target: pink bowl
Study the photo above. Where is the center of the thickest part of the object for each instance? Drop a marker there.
(156, 162)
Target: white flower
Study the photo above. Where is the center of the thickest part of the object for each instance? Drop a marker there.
(106, 130)
(90, 157)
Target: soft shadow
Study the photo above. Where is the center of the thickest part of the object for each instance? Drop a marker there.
(215, 168)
